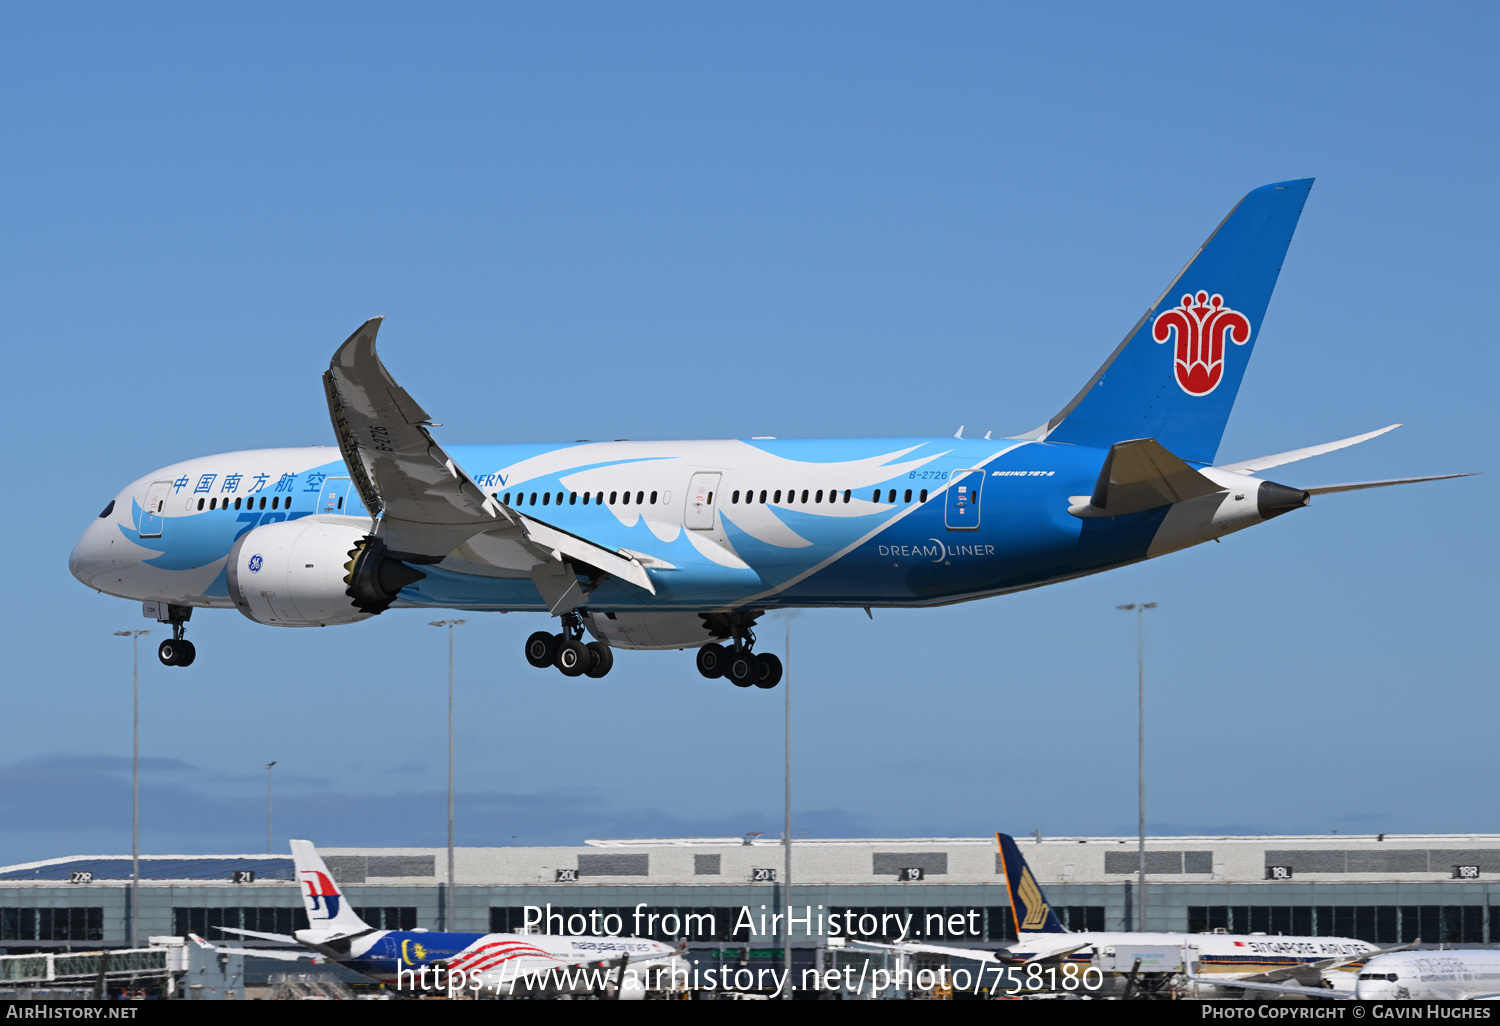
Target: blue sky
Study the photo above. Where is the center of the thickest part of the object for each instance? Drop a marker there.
(677, 220)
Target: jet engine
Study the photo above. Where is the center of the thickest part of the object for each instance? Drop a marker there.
(301, 573)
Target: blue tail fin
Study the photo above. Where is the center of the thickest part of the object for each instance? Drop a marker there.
(1175, 376)
(1027, 902)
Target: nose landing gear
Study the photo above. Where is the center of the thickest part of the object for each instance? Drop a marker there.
(178, 651)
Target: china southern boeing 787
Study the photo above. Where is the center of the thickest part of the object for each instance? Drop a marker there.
(685, 544)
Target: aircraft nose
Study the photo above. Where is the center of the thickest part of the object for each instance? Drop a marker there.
(91, 557)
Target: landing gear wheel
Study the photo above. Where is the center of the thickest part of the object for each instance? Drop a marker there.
(186, 653)
(712, 659)
(541, 648)
(742, 669)
(768, 669)
(604, 659)
(573, 657)
(169, 652)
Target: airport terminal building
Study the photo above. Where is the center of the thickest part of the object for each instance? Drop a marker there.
(722, 892)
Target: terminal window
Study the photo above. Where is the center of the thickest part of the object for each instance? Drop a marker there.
(205, 921)
(389, 917)
(52, 924)
(1378, 924)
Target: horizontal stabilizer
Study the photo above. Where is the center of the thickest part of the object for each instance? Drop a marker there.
(1260, 463)
(1355, 486)
(1139, 475)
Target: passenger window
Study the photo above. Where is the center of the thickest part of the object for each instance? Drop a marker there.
(626, 499)
(599, 499)
(612, 497)
(572, 498)
(924, 495)
(640, 498)
(876, 496)
(710, 498)
(275, 502)
(262, 502)
(736, 496)
(819, 496)
(762, 496)
(892, 496)
(559, 498)
(804, 495)
(848, 494)
(585, 498)
(200, 503)
(546, 496)
(533, 499)
(653, 498)
(213, 503)
(506, 500)
(341, 502)
(908, 496)
(777, 497)
(237, 503)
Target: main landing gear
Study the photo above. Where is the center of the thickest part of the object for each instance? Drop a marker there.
(737, 662)
(179, 651)
(568, 652)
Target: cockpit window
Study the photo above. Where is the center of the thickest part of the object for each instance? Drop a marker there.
(108, 509)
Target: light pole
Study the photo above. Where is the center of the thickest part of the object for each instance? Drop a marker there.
(1140, 698)
(448, 896)
(135, 782)
(786, 888)
(267, 768)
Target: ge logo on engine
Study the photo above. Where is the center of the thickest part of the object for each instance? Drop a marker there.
(255, 562)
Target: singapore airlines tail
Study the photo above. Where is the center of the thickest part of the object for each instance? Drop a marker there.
(1027, 902)
(328, 913)
(1175, 376)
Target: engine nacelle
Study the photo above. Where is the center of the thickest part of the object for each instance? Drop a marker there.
(302, 573)
(652, 630)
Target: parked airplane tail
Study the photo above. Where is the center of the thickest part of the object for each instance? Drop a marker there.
(1175, 376)
(326, 908)
(1027, 902)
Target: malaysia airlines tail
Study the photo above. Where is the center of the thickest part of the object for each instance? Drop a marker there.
(1175, 376)
(1027, 902)
(329, 916)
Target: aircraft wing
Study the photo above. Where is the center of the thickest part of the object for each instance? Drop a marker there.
(1138, 475)
(1305, 969)
(1292, 456)
(279, 937)
(278, 955)
(976, 954)
(1273, 988)
(426, 503)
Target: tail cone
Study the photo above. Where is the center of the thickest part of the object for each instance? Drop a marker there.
(1272, 499)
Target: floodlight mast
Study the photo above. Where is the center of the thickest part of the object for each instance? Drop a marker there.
(447, 918)
(1140, 684)
(135, 782)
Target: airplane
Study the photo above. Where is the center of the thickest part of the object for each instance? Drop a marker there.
(1223, 961)
(675, 545)
(425, 960)
(1459, 974)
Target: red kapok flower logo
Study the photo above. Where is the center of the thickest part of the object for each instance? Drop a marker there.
(1201, 324)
